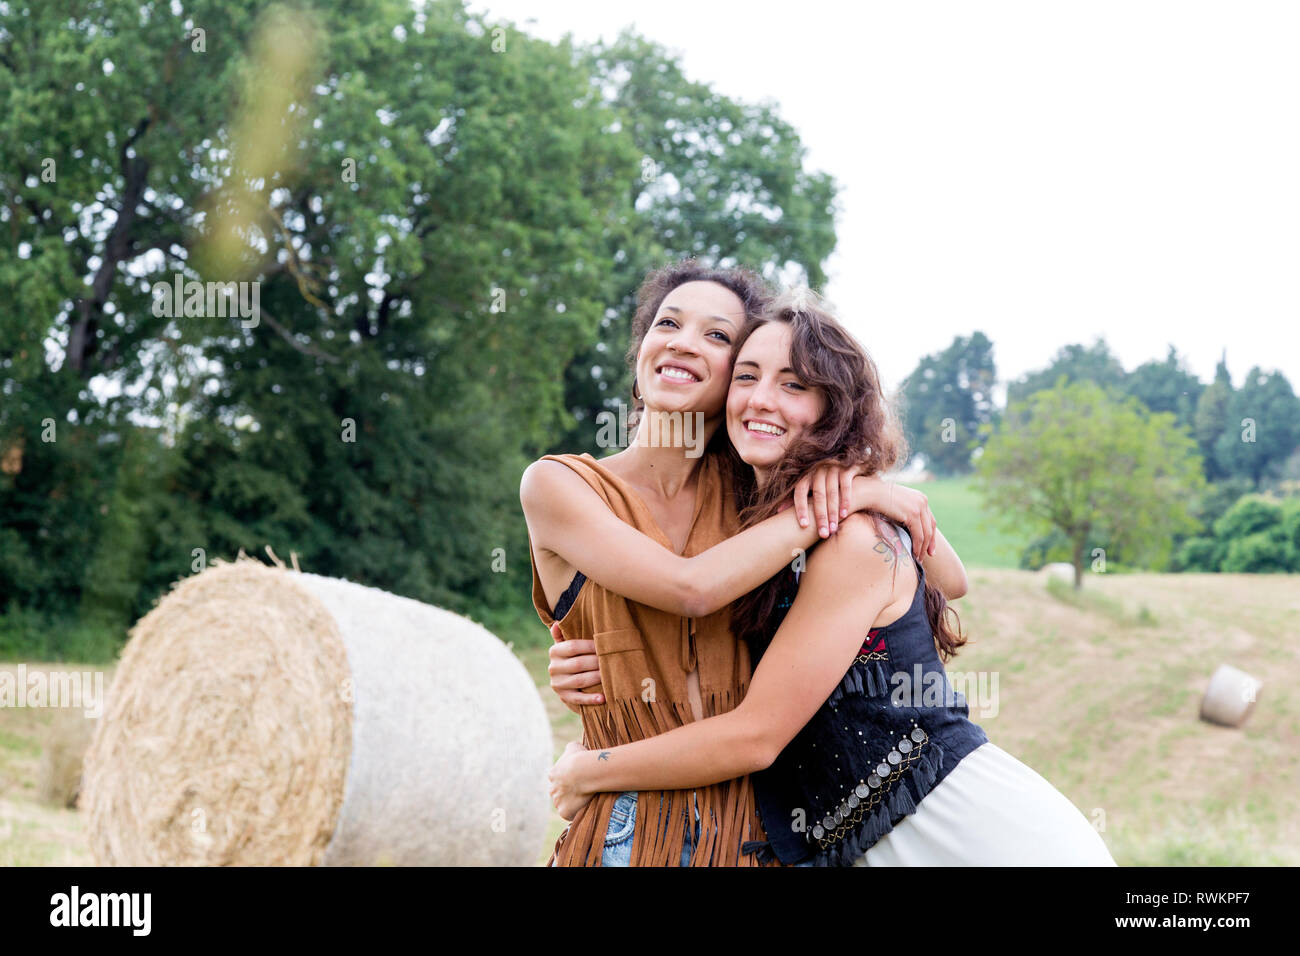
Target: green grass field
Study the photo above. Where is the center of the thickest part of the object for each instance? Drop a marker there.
(1098, 692)
(959, 512)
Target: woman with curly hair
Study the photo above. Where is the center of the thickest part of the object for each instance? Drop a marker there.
(859, 750)
(638, 557)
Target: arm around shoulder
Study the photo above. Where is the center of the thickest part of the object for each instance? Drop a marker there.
(566, 517)
(945, 570)
(849, 580)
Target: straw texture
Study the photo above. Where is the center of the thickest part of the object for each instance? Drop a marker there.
(451, 742)
(261, 716)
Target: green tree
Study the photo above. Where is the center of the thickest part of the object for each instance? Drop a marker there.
(1166, 387)
(1288, 532)
(1255, 535)
(719, 179)
(431, 245)
(1076, 363)
(948, 400)
(1249, 515)
(439, 212)
(1212, 418)
(105, 114)
(1259, 553)
(1080, 461)
(409, 370)
(1203, 552)
(1262, 427)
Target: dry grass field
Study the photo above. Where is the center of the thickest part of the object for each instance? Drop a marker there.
(1097, 692)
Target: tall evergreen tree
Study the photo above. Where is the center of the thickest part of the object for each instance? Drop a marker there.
(1211, 421)
(1262, 428)
(1167, 387)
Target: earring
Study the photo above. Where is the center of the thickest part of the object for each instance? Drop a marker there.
(634, 391)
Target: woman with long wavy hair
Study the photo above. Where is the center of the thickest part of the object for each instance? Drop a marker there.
(860, 751)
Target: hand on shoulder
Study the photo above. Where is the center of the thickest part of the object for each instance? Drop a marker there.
(859, 536)
(858, 553)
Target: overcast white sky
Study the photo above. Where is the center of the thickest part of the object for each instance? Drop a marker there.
(1046, 172)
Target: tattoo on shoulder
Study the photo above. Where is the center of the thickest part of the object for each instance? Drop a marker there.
(886, 552)
(604, 755)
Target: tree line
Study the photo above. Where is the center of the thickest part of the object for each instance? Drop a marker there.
(1147, 468)
(446, 219)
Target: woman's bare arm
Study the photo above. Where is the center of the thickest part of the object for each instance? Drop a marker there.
(565, 516)
(847, 584)
(944, 569)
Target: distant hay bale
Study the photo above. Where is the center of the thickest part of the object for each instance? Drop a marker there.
(58, 775)
(1059, 571)
(63, 749)
(261, 716)
(1230, 698)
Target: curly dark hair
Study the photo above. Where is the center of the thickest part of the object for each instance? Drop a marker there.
(859, 426)
(749, 287)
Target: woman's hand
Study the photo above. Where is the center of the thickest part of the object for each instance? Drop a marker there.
(907, 506)
(567, 796)
(831, 488)
(573, 666)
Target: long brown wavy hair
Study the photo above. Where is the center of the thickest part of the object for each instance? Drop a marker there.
(859, 426)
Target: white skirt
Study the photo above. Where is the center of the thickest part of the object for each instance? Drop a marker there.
(991, 810)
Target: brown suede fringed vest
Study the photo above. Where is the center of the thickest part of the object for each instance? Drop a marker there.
(645, 655)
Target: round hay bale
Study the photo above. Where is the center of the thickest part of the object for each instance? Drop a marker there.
(63, 750)
(58, 775)
(1230, 698)
(1059, 571)
(261, 716)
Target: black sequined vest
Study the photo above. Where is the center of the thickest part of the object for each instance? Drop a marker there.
(888, 734)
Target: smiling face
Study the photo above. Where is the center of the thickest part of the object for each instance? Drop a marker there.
(684, 363)
(768, 407)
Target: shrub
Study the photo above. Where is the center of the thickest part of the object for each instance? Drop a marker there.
(1199, 554)
(1250, 515)
(1258, 553)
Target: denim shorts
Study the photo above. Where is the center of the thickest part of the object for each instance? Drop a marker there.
(622, 826)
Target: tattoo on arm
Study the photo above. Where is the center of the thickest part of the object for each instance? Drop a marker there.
(886, 552)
